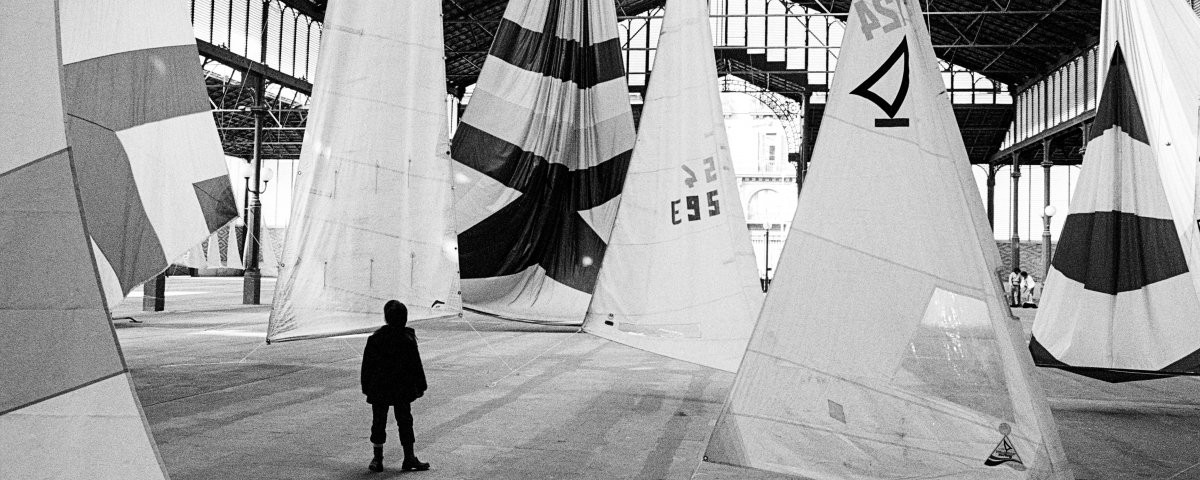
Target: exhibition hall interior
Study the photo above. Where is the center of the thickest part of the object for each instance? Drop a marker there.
(600, 239)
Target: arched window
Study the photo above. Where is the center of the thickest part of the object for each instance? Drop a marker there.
(763, 206)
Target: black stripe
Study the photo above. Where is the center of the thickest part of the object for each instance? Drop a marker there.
(543, 226)
(1189, 366)
(526, 172)
(1118, 103)
(1113, 252)
(566, 60)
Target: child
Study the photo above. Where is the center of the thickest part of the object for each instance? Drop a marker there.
(392, 376)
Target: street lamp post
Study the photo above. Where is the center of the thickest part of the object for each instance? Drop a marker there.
(252, 277)
(767, 258)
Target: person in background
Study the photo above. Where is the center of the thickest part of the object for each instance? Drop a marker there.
(1032, 290)
(1014, 288)
(392, 377)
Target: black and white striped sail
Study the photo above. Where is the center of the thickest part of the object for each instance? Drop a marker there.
(1122, 300)
(67, 404)
(680, 218)
(151, 169)
(884, 348)
(372, 218)
(541, 157)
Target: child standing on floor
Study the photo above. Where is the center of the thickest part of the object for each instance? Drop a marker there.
(392, 377)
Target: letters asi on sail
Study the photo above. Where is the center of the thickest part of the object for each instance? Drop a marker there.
(680, 217)
(372, 219)
(1122, 300)
(540, 156)
(68, 408)
(884, 348)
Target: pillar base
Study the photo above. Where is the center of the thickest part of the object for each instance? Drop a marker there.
(251, 287)
(154, 294)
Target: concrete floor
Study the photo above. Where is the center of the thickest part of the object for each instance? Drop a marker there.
(509, 400)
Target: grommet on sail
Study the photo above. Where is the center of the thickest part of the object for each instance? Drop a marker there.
(884, 348)
(1122, 300)
(541, 157)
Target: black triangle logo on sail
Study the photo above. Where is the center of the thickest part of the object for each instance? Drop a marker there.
(1118, 103)
(893, 107)
(1005, 453)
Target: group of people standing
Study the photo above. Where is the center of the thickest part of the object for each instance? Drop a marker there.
(1023, 289)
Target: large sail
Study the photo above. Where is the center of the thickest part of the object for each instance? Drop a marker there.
(680, 217)
(1122, 300)
(67, 406)
(542, 150)
(372, 218)
(884, 349)
(151, 169)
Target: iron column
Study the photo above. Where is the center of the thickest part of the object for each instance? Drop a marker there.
(1015, 247)
(1046, 211)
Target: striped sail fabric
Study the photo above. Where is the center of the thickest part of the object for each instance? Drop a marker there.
(680, 217)
(1122, 300)
(373, 216)
(151, 168)
(541, 157)
(872, 359)
(67, 404)
(221, 250)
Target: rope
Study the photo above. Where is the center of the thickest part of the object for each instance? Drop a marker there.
(489, 345)
(552, 347)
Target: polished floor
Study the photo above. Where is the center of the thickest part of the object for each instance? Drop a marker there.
(516, 401)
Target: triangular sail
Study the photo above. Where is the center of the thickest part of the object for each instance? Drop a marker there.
(680, 217)
(67, 405)
(151, 169)
(884, 349)
(1122, 300)
(542, 152)
(372, 218)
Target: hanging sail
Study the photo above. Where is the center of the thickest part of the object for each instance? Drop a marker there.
(884, 348)
(1122, 299)
(680, 217)
(151, 168)
(542, 153)
(67, 406)
(372, 219)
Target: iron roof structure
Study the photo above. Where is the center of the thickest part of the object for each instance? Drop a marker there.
(1015, 42)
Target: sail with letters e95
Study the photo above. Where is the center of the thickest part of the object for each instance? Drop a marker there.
(679, 276)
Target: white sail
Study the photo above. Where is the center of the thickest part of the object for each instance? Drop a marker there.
(151, 168)
(680, 218)
(884, 348)
(1122, 300)
(372, 219)
(67, 405)
(541, 154)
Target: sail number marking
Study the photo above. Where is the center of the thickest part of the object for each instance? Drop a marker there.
(692, 209)
(869, 19)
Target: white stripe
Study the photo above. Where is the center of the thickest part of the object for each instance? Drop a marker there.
(95, 28)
